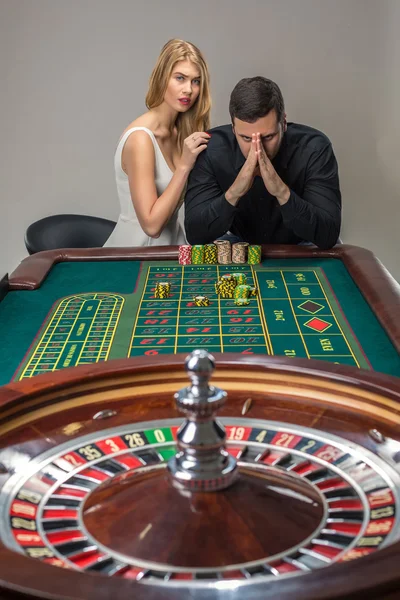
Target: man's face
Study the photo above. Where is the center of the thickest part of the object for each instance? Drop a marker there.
(271, 133)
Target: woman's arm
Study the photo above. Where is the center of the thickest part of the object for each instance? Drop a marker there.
(154, 212)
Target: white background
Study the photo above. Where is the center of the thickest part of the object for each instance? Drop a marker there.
(74, 73)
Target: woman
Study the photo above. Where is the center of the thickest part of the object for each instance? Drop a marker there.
(158, 150)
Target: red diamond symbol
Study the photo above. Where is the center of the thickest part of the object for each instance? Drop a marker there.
(318, 325)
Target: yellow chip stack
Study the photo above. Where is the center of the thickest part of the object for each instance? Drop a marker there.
(201, 301)
(210, 254)
(225, 286)
(163, 289)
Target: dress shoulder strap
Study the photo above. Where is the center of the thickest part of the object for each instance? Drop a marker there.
(122, 141)
(127, 133)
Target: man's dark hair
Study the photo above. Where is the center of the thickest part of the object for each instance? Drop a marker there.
(254, 97)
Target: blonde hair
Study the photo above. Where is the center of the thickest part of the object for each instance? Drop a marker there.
(197, 118)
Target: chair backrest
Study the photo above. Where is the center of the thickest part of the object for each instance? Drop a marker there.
(67, 231)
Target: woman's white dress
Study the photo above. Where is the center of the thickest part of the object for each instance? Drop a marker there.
(128, 231)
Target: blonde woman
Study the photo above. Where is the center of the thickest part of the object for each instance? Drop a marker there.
(158, 150)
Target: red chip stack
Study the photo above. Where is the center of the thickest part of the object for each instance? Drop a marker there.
(185, 255)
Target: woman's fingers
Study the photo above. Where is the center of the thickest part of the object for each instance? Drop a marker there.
(197, 138)
(202, 138)
(200, 149)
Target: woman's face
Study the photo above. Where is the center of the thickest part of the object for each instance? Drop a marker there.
(183, 87)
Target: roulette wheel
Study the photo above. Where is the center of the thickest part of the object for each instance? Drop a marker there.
(268, 478)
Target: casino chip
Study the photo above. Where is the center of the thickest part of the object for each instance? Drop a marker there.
(241, 278)
(241, 301)
(185, 254)
(210, 254)
(163, 289)
(254, 255)
(201, 301)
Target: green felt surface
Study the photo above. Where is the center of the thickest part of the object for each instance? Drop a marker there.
(92, 311)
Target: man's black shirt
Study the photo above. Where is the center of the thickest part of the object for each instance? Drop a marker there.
(307, 165)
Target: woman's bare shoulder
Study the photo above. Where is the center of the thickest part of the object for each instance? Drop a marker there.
(138, 142)
(138, 147)
(144, 120)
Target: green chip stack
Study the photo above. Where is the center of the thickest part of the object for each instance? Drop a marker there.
(254, 255)
(241, 278)
(242, 301)
(197, 255)
(241, 291)
(210, 254)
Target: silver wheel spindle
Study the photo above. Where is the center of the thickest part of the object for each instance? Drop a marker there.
(202, 463)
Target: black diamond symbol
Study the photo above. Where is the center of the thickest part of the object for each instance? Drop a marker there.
(311, 307)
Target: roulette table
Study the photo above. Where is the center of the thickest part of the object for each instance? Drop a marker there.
(275, 476)
(73, 307)
(112, 488)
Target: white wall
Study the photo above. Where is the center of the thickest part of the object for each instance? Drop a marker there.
(74, 73)
(386, 210)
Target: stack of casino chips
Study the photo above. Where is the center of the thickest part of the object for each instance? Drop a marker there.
(162, 290)
(242, 291)
(241, 295)
(241, 278)
(253, 291)
(221, 251)
(239, 252)
(254, 255)
(224, 251)
(185, 254)
(197, 254)
(242, 301)
(225, 286)
(201, 301)
(235, 286)
(210, 254)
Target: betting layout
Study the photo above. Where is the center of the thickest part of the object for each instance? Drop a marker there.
(294, 313)
(43, 512)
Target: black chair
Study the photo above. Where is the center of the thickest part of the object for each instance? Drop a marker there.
(67, 231)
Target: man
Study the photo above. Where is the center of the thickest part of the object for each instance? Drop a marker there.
(262, 179)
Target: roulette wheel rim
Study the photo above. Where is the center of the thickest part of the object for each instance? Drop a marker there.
(374, 574)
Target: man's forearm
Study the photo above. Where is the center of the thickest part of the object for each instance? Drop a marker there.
(283, 195)
(319, 224)
(207, 220)
(231, 196)
(209, 211)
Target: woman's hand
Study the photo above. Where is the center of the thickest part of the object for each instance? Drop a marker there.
(192, 146)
